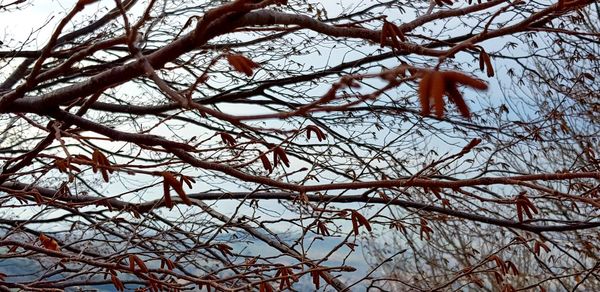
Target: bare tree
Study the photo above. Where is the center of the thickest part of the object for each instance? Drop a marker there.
(547, 121)
(239, 145)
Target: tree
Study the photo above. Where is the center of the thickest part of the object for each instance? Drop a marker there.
(235, 145)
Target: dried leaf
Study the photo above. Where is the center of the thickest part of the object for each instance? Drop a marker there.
(393, 36)
(354, 225)
(279, 155)
(170, 179)
(588, 76)
(95, 160)
(265, 162)
(104, 174)
(49, 243)
(425, 230)
(384, 34)
(481, 61)
(499, 263)
(519, 212)
(224, 248)
(456, 97)
(437, 90)
(100, 162)
(167, 195)
(474, 142)
(187, 180)
(467, 80)
(312, 128)
(529, 203)
(131, 263)
(476, 280)
(499, 278)
(322, 228)
(242, 64)
(61, 165)
(265, 287)
(170, 264)
(424, 90)
(140, 264)
(488, 64)
(228, 139)
(359, 220)
(117, 283)
(284, 273)
(315, 278)
(511, 266)
(397, 32)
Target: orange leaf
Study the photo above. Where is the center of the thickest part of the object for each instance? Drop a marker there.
(425, 230)
(481, 61)
(312, 128)
(265, 162)
(363, 221)
(224, 248)
(61, 165)
(498, 277)
(511, 266)
(102, 163)
(424, 90)
(95, 160)
(474, 142)
(455, 97)
(385, 32)
(187, 180)
(437, 92)
(322, 229)
(465, 79)
(488, 64)
(242, 64)
(354, 225)
(519, 212)
(227, 139)
(140, 264)
(167, 195)
(279, 154)
(104, 174)
(393, 36)
(359, 220)
(100, 159)
(131, 263)
(397, 32)
(170, 179)
(499, 263)
(49, 243)
(315, 278)
(265, 287)
(170, 265)
(118, 284)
